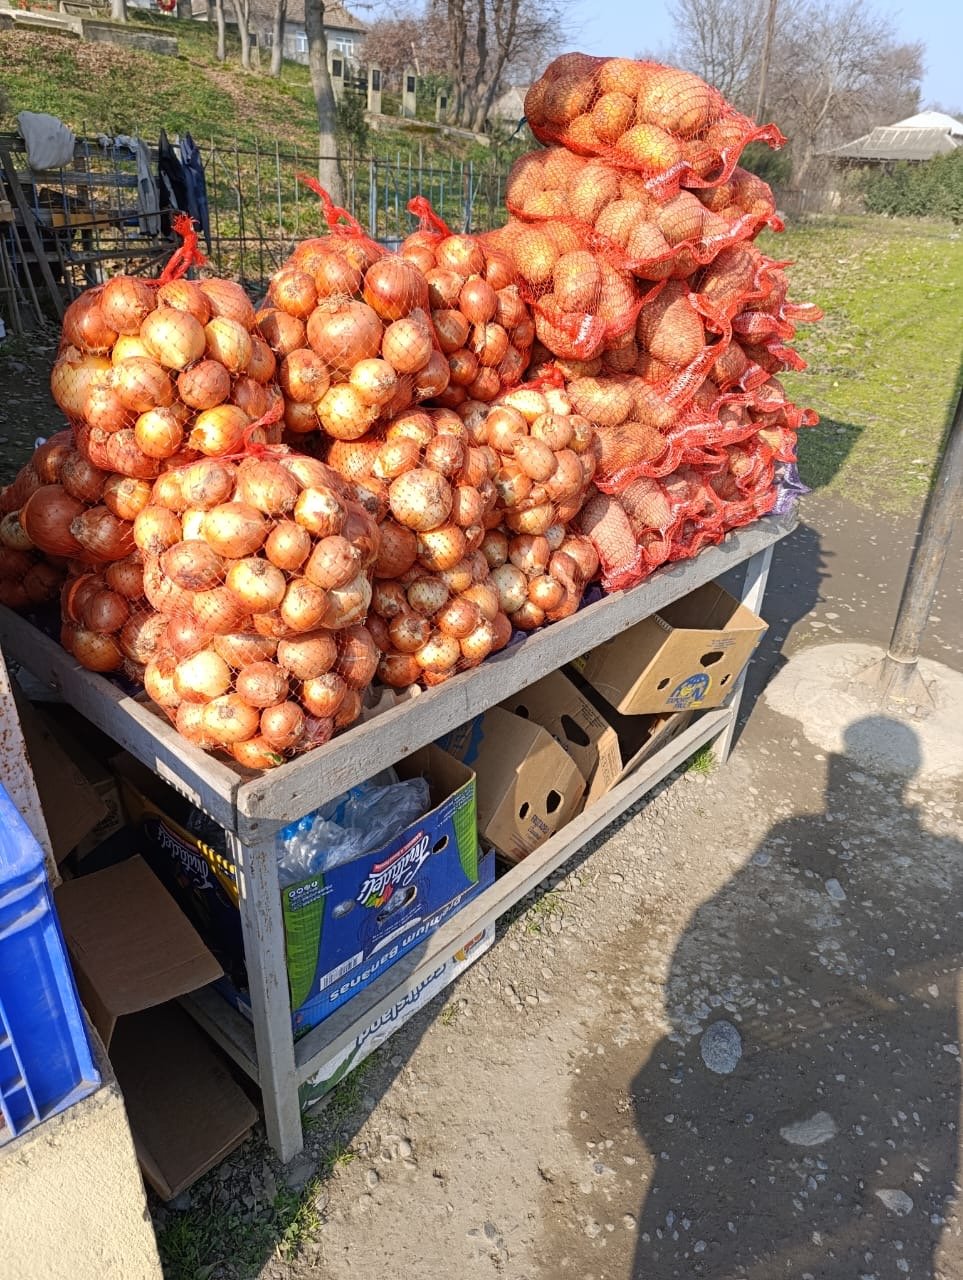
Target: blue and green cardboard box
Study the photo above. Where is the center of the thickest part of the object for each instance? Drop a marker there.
(344, 927)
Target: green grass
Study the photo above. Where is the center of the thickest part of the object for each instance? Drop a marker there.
(885, 364)
(542, 910)
(210, 1237)
(702, 761)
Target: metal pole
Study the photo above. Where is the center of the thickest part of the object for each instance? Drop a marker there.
(897, 675)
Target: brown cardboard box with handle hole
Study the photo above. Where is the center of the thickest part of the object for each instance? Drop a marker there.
(527, 786)
(133, 953)
(606, 746)
(685, 658)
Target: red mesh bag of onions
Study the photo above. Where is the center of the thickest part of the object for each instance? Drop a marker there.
(481, 319)
(350, 326)
(667, 125)
(257, 576)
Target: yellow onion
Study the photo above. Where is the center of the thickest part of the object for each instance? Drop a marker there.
(174, 338)
(228, 342)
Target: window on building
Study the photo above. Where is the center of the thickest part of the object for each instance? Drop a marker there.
(376, 79)
(409, 84)
(300, 42)
(345, 45)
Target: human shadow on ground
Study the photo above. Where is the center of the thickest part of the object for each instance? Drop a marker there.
(802, 1114)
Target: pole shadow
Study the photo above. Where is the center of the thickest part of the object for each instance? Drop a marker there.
(803, 1112)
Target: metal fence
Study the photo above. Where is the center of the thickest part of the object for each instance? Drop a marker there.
(78, 226)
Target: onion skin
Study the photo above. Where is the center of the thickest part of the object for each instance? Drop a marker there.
(46, 518)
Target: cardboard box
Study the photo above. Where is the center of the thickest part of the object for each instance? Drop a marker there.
(343, 927)
(688, 656)
(417, 995)
(88, 748)
(72, 808)
(133, 951)
(605, 745)
(528, 785)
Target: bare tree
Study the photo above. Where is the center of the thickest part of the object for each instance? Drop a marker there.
(834, 67)
(487, 39)
(242, 16)
(218, 6)
(720, 39)
(277, 48)
(329, 172)
(118, 10)
(407, 39)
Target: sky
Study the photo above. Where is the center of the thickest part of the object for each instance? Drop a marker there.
(619, 27)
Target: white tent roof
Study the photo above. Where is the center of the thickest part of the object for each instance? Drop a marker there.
(932, 120)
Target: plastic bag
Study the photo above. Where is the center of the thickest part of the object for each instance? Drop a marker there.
(357, 822)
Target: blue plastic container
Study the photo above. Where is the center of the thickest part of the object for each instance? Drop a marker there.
(46, 1062)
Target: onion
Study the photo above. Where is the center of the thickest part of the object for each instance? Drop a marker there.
(442, 548)
(319, 511)
(407, 345)
(546, 593)
(345, 333)
(348, 604)
(189, 722)
(309, 655)
(266, 485)
(96, 652)
(398, 670)
(444, 287)
(141, 637)
(174, 338)
(159, 681)
(502, 628)
(478, 301)
(357, 657)
(126, 302)
(282, 727)
(205, 385)
(485, 386)
(206, 484)
(510, 309)
(528, 617)
(288, 545)
(193, 566)
(240, 648)
(468, 506)
(85, 325)
(124, 455)
(81, 479)
(229, 719)
(420, 499)
(74, 376)
(334, 274)
(485, 596)
(476, 647)
(460, 253)
(398, 550)
(513, 485)
(304, 376)
(300, 418)
(156, 529)
(261, 684)
(409, 632)
(293, 291)
(234, 529)
(427, 595)
(343, 414)
(158, 433)
(304, 605)
(262, 363)
(50, 457)
(494, 547)
(375, 381)
(185, 295)
(441, 653)
(378, 629)
(141, 384)
(229, 343)
(388, 599)
(511, 585)
(433, 379)
(102, 534)
(446, 455)
(489, 342)
(459, 578)
(459, 618)
(13, 534)
(202, 676)
(46, 518)
(282, 333)
(258, 584)
(252, 397)
(42, 582)
(187, 635)
(256, 753)
(462, 367)
(323, 695)
(394, 287)
(104, 611)
(333, 563)
(395, 457)
(126, 576)
(228, 299)
(126, 497)
(220, 430)
(414, 425)
(553, 430)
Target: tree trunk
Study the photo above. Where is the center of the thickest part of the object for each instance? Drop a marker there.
(118, 10)
(329, 173)
(242, 13)
(221, 32)
(277, 48)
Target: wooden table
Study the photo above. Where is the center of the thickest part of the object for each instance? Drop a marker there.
(253, 807)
